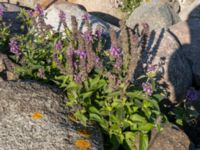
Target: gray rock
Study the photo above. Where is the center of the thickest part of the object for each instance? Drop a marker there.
(11, 12)
(191, 11)
(176, 72)
(157, 15)
(171, 138)
(71, 10)
(187, 32)
(33, 116)
(27, 3)
(185, 3)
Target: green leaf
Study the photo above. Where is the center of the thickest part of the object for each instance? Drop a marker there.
(179, 122)
(138, 118)
(94, 110)
(146, 127)
(86, 95)
(143, 141)
(130, 140)
(83, 119)
(95, 117)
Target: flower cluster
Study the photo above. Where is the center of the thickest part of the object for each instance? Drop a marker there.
(14, 48)
(62, 16)
(1, 12)
(58, 45)
(39, 10)
(191, 95)
(147, 87)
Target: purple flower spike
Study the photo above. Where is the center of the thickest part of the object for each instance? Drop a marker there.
(147, 88)
(62, 16)
(191, 95)
(99, 33)
(1, 12)
(88, 36)
(14, 48)
(151, 68)
(114, 51)
(81, 53)
(77, 78)
(58, 45)
(39, 10)
(30, 13)
(97, 59)
(86, 17)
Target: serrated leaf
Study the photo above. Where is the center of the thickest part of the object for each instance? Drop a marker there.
(143, 141)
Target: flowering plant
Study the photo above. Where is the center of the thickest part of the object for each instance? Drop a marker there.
(4, 31)
(99, 81)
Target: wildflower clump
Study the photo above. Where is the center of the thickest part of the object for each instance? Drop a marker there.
(4, 30)
(98, 80)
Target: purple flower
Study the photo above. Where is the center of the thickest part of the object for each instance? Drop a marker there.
(86, 17)
(87, 36)
(97, 59)
(191, 95)
(77, 78)
(98, 33)
(118, 63)
(14, 48)
(58, 45)
(151, 68)
(62, 16)
(30, 13)
(114, 51)
(1, 12)
(81, 53)
(147, 87)
(39, 10)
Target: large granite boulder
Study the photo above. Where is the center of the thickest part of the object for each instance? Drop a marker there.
(164, 50)
(178, 48)
(109, 10)
(157, 15)
(171, 138)
(33, 116)
(72, 10)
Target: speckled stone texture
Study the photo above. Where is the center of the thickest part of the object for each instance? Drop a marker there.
(19, 130)
(171, 138)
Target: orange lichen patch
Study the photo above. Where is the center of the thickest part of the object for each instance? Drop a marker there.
(84, 133)
(37, 115)
(83, 144)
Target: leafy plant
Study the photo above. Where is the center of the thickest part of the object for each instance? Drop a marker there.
(130, 5)
(98, 81)
(4, 31)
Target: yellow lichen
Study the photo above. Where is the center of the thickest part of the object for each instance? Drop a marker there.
(83, 144)
(37, 115)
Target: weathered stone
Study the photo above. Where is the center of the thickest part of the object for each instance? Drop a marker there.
(185, 3)
(188, 35)
(33, 116)
(171, 138)
(177, 75)
(72, 10)
(108, 10)
(11, 12)
(11, 76)
(27, 3)
(157, 15)
(191, 11)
